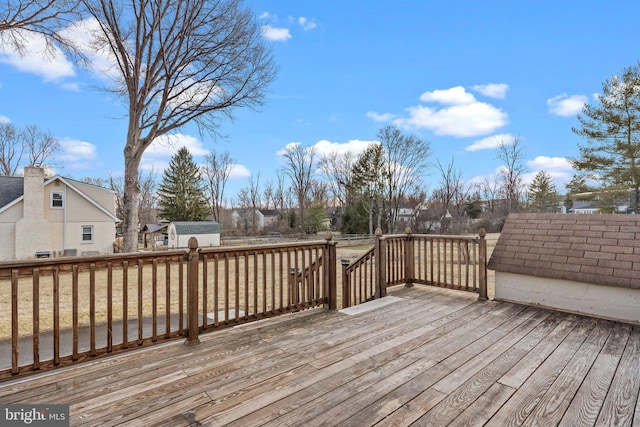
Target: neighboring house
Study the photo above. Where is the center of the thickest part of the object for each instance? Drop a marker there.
(207, 233)
(581, 207)
(54, 217)
(263, 218)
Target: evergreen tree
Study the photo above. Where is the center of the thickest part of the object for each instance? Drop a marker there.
(181, 196)
(577, 185)
(543, 195)
(612, 132)
(368, 182)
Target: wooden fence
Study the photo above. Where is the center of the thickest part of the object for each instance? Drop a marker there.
(456, 262)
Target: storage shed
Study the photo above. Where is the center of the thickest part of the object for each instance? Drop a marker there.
(586, 264)
(207, 233)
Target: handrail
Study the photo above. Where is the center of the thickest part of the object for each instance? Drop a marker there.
(93, 306)
(457, 262)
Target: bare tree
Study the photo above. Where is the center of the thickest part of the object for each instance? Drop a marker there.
(511, 154)
(489, 189)
(11, 150)
(146, 201)
(406, 160)
(216, 172)
(299, 167)
(338, 170)
(452, 192)
(254, 200)
(178, 62)
(21, 18)
(40, 147)
(268, 194)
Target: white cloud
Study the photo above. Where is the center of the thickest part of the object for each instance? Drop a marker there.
(386, 117)
(468, 120)
(46, 62)
(306, 24)
(490, 142)
(77, 154)
(549, 163)
(276, 34)
(355, 146)
(325, 147)
(453, 96)
(461, 115)
(159, 153)
(492, 90)
(559, 168)
(565, 106)
(168, 145)
(239, 171)
(84, 34)
(4, 119)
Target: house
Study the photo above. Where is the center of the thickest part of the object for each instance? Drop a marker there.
(583, 207)
(207, 233)
(263, 218)
(54, 217)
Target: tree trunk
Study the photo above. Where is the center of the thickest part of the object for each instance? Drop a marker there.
(130, 200)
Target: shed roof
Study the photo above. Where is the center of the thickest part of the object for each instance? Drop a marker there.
(602, 248)
(196, 227)
(154, 228)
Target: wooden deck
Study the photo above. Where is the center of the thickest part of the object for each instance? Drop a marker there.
(433, 357)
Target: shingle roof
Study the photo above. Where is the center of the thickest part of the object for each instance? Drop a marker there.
(197, 227)
(11, 187)
(601, 249)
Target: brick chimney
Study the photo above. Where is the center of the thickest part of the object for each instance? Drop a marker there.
(33, 230)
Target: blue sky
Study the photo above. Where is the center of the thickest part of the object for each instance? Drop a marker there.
(460, 74)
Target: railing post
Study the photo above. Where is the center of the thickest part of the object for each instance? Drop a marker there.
(346, 286)
(193, 260)
(482, 261)
(332, 279)
(381, 257)
(409, 263)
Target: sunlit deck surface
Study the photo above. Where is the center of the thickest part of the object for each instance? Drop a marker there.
(434, 357)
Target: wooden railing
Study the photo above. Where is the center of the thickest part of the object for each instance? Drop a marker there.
(456, 262)
(57, 312)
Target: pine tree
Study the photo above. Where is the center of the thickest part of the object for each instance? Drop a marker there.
(181, 193)
(543, 195)
(612, 131)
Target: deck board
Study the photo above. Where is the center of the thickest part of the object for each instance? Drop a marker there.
(434, 357)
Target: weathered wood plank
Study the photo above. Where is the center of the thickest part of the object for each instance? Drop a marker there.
(619, 405)
(481, 411)
(518, 408)
(585, 406)
(435, 357)
(554, 403)
(519, 373)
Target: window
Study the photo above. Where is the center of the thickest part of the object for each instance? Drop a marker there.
(87, 233)
(57, 199)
